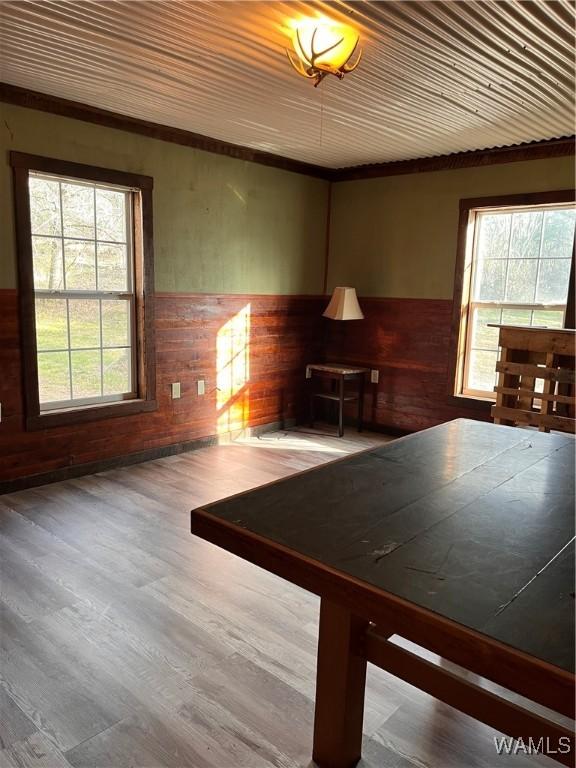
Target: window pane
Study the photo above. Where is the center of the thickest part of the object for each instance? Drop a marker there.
(526, 234)
(494, 235)
(558, 234)
(84, 323)
(86, 374)
(516, 316)
(117, 371)
(112, 269)
(53, 376)
(489, 283)
(482, 336)
(78, 210)
(51, 324)
(482, 371)
(44, 206)
(521, 280)
(553, 281)
(548, 317)
(115, 323)
(111, 215)
(80, 265)
(47, 258)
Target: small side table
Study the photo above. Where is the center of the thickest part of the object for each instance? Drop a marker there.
(339, 374)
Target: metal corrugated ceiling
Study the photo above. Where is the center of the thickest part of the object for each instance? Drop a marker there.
(436, 77)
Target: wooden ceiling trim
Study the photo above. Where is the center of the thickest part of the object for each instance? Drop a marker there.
(22, 97)
(535, 150)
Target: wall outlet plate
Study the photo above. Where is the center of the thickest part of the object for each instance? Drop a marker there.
(176, 390)
(201, 387)
(308, 372)
(374, 376)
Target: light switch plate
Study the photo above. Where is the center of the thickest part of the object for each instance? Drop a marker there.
(374, 376)
(201, 387)
(176, 390)
(308, 372)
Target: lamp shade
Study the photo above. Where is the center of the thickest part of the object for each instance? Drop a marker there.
(344, 305)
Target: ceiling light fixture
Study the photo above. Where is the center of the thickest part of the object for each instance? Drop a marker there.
(323, 47)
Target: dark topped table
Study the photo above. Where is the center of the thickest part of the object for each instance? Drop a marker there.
(459, 538)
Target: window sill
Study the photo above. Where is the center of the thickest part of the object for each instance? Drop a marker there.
(89, 413)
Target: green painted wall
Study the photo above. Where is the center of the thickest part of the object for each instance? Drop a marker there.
(396, 236)
(228, 226)
(220, 225)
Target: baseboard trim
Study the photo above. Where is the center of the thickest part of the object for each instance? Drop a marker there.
(367, 426)
(114, 462)
(384, 429)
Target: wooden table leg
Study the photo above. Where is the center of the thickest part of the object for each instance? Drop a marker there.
(360, 401)
(340, 686)
(311, 402)
(341, 407)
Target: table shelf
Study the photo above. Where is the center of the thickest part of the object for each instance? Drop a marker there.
(328, 396)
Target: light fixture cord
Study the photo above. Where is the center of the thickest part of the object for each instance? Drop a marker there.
(321, 113)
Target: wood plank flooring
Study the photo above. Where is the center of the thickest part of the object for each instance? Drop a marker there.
(127, 643)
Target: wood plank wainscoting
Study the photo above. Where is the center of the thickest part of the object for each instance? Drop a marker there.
(408, 340)
(271, 338)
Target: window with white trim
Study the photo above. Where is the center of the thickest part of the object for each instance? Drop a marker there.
(519, 275)
(83, 290)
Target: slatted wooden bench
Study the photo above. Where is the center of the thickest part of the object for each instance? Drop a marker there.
(529, 356)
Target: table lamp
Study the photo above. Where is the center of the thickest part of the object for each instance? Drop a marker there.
(344, 305)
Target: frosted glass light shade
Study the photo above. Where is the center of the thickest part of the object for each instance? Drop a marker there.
(344, 305)
(324, 44)
(323, 47)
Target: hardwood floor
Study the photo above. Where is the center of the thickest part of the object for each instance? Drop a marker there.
(127, 642)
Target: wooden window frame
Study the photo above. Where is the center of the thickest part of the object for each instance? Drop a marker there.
(463, 282)
(22, 164)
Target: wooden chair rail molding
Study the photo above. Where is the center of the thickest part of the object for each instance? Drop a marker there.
(529, 356)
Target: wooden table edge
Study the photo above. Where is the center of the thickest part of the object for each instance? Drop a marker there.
(531, 677)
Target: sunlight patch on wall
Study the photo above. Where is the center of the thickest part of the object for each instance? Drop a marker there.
(233, 372)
